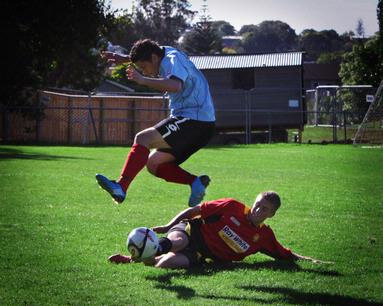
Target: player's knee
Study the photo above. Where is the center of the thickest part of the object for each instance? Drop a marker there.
(152, 166)
(140, 138)
(179, 240)
(144, 138)
(165, 261)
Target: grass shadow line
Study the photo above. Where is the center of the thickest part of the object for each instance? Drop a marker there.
(164, 280)
(299, 297)
(7, 153)
(275, 265)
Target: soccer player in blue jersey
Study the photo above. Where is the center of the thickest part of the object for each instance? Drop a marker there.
(173, 140)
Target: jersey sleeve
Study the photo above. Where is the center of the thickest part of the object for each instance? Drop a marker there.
(273, 248)
(219, 206)
(173, 68)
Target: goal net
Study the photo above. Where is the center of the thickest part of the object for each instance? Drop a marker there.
(370, 131)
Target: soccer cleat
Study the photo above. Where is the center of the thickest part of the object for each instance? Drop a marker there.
(198, 188)
(118, 258)
(112, 187)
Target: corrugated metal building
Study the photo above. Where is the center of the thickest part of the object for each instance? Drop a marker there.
(270, 86)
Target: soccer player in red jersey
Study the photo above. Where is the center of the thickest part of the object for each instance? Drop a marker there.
(223, 230)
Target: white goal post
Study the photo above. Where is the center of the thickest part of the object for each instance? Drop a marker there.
(370, 131)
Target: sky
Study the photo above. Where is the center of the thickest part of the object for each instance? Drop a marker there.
(339, 15)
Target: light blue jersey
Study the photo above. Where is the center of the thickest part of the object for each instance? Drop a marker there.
(194, 100)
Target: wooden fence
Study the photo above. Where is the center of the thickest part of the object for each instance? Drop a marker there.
(81, 119)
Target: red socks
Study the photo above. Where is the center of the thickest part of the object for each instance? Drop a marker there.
(136, 160)
(171, 172)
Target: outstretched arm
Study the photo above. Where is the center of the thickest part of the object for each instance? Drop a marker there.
(115, 58)
(188, 213)
(273, 248)
(301, 257)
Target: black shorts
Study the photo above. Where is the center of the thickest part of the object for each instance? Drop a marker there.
(185, 136)
(196, 251)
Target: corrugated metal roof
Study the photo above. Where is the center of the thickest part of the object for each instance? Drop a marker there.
(247, 60)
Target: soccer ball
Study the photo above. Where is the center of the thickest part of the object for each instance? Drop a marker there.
(142, 243)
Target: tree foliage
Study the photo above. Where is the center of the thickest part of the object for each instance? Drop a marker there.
(50, 43)
(223, 28)
(162, 20)
(315, 43)
(203, 38)
(269, 36)
(379, 12)
(363, 64)
(123, 31)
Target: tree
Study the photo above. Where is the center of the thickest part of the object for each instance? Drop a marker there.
(248, 28)
(50, 43)
(223, 28)
(361, 65)
(122, 31)
(315, 43)
(360, 28)
(202, 38)
(379, 12)
(162, 20)
(364, 64)
(269, 36)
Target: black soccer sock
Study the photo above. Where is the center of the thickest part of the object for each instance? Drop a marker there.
(165, 245)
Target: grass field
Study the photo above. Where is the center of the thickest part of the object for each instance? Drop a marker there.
(320, 134)
(57, 228)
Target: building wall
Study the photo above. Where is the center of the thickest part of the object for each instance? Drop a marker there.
(275, 97)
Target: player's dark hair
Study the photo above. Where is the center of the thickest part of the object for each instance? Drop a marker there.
(273, 198)
(165, 246)
(142, 50)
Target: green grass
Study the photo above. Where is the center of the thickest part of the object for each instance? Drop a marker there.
(57, 228)
(319, 134)
(323, 134)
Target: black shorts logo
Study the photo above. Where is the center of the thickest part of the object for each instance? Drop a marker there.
(173, 127)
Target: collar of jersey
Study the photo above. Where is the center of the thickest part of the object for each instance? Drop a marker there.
(247, 212)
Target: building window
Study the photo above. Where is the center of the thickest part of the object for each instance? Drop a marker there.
(243, 78)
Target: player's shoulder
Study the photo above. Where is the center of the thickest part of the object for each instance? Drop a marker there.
(266, 228)
(226, 201)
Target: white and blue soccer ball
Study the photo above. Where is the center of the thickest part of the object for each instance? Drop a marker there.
(142, 243)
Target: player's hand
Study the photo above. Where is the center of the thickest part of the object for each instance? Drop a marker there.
(314, 260)
(317, 261)
(161, 229)
(133, 75)
(114, 58)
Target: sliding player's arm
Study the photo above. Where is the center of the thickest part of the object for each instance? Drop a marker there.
(314, 260)
(188, 213)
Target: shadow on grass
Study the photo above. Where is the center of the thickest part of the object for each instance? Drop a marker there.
(164, 281)
(275, 265)
(7, 153)
(293, 296)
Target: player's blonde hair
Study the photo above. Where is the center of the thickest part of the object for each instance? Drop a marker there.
(271, 197)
